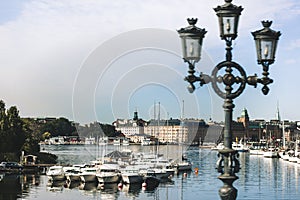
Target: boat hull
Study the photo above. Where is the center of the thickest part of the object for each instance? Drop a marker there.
(108, 178)
(132, 178)
(270, 154)
(73, 177)
(256, 152)
(184, 166)
(88, 178)
(56, 177)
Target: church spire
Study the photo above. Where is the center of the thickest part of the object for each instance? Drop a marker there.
(277, 113)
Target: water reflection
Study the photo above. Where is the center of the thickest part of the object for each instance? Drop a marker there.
(73, 184)
(10, 187)
(132, 190)
(56, 186)
(259, 178)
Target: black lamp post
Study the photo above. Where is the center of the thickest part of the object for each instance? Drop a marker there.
(233, 85)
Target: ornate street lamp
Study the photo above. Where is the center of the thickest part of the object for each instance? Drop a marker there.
(228, 20)
(233, 85)
(266, 42)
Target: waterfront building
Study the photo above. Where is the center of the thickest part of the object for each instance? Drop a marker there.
(167, 131)
(176, 131)
(254, 130)
(130, 127)
(195, 131)
(291, 131)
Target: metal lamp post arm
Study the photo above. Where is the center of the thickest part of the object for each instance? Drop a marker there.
(265, 80)
(192, 78)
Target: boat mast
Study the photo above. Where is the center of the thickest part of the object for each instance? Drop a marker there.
(158, 119)
(158, 124)
(154, 118)
(283, 134)
(182, 112)
(168, 135)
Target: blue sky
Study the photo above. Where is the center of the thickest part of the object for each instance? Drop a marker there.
(92, 60)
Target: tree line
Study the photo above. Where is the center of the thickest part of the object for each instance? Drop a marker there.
(24, 134)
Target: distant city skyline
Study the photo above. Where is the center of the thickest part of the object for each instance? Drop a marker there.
(101, 60)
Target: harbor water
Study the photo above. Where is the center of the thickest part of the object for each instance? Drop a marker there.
(259, 177)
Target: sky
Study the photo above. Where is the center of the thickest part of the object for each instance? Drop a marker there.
(96, 60)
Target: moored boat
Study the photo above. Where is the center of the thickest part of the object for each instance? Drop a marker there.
(131, 175)
(284, 155)
(72, 174)
(56, 173)
(253, 151)
(239, 147)
(271, 153)
(182, 166)
(108, 173)
(88, 174)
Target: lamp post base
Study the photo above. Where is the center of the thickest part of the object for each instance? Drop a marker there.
(228, 192)
(228, 165)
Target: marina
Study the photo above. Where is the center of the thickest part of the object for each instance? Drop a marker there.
(259, 178)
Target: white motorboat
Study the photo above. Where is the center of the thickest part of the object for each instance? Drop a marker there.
(88, 174)
(130, 175)
(146, 142)
(155, 172)
(295, 154)
(218, 147)
(271, 153)
(236, 146)
(56, 173)
(117, 142)
(125, 142)
(284, 155)
(253, 151)
(293, 159)
(72, 173)
(239, 147)
(103, 141)
(108, 173)
(182, 166)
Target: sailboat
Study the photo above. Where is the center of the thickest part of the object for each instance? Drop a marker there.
(183, 164)
(283, 154)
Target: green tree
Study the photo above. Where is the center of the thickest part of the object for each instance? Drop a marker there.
(12, 133)
(33, 136)
(59, 127)
(15, 130)
(3, 128)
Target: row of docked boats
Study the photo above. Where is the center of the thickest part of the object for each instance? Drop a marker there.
(127, 168)
(240, 147)
(270, 152)
(287, 155)
(292, 155)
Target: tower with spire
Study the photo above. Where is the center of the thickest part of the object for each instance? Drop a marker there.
(245, 120)
(278, 118)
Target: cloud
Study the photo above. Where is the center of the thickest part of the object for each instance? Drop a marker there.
(46, 42)
(295, 44)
